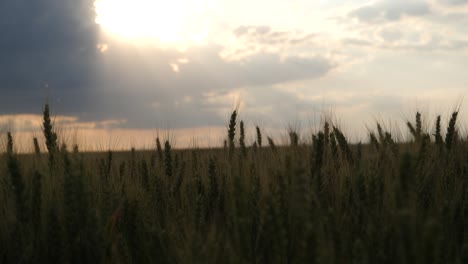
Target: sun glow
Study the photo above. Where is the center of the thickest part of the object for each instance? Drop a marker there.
(169, 22)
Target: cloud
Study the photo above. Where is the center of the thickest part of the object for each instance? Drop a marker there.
(257, 107)
(33, 123)
(454, 2)
(54, 49)
(412, 26)
(47, 48)
(102, 136)
(145, 90)
(250, 40)
(390, 10)
(247, 30)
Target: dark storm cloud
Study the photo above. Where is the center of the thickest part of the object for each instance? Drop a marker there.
(390, 10)
(47, 48)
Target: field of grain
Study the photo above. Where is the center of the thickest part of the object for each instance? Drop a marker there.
(381, 201)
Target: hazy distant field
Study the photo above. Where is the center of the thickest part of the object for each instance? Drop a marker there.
(330, 202)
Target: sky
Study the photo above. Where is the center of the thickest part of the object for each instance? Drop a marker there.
(117, 73)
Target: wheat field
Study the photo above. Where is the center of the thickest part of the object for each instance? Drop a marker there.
(380, 201)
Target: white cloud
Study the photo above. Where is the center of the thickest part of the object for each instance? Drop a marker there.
(390, 10)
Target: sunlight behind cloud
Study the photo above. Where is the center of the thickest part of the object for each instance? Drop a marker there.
(176, 22)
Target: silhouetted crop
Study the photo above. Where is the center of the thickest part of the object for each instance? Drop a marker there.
(331, 201)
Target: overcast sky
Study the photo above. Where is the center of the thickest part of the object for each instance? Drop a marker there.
(138, 66)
